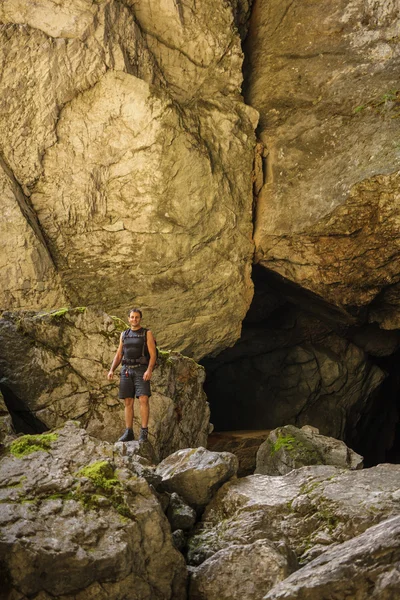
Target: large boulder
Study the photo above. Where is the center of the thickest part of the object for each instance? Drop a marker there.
(196, 473)
(324, 78)
(310, 508)
(57, 363)
(240, 572)
(128, 149)
(288, 448)
(76, 522)
(366, 568)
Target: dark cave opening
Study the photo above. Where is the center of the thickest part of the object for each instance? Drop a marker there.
(23, 419)
(298, 362)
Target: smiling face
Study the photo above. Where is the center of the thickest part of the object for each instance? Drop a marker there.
(134, 320)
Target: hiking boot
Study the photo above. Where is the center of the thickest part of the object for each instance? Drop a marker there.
(127, 436)
(144, 432)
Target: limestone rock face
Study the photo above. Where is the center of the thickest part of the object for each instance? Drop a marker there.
(196, 473)
(366, 567)
(57, 363)
(75, 523)
(288, 448)
(133, 150)
(325, 80)
(310, 508)
(239, 572)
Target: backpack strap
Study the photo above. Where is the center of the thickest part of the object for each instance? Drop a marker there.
(124, 334)
(144, 340)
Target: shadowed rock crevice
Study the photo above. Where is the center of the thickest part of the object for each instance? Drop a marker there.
(298, 362)
(23, 419)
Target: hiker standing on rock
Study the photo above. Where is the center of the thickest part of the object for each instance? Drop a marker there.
(137, 352)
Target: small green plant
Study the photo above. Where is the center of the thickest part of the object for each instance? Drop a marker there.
(32, 443)
(358, 109)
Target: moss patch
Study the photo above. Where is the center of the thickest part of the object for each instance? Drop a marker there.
(102, 475)
(284, 441)
(298, 449)
(32, 443)
(119, 324)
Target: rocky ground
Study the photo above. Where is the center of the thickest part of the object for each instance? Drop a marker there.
(84, 518)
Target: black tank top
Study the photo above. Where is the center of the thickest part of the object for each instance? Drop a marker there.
(133, 344)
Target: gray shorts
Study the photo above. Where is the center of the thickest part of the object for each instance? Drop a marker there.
(132, 384)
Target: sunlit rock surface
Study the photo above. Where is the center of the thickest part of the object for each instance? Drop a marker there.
(131, 146)
(310, 508)
(325, 80)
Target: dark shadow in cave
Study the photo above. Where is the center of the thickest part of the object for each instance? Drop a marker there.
(298, 362)
(24, 421)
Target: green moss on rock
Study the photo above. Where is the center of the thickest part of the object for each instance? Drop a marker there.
(298, 449)
(119, 324)
(32, 443)
(102, 475)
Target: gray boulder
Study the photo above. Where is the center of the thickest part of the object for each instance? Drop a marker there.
(63, 357)
(288, 448)
(196, 473)
(180, 515)
(240, 572)
(76, 522)
(366, 567)
(310, 508)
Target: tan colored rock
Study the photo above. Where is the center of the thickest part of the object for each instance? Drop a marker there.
(27, 271)
(325, 80)
(135, 155)
(74, 521)
(57, 363)
(288, 448)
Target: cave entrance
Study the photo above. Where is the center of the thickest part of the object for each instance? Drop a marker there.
(298, 362)
(23, 419)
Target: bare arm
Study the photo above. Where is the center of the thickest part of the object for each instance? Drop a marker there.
(151, 345)
(117, 360)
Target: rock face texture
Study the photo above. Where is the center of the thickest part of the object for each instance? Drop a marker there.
(196, 473)
(291, 369)
(231, 574)
(127, 167)
(81, 527)
(325, 81)
(310, 508)
(288, 448)
(57, 363)
(366, 567)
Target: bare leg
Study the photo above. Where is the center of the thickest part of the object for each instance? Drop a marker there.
(129, 413)
(144, 410)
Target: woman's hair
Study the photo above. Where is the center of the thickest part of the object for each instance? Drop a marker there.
(135, 310)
